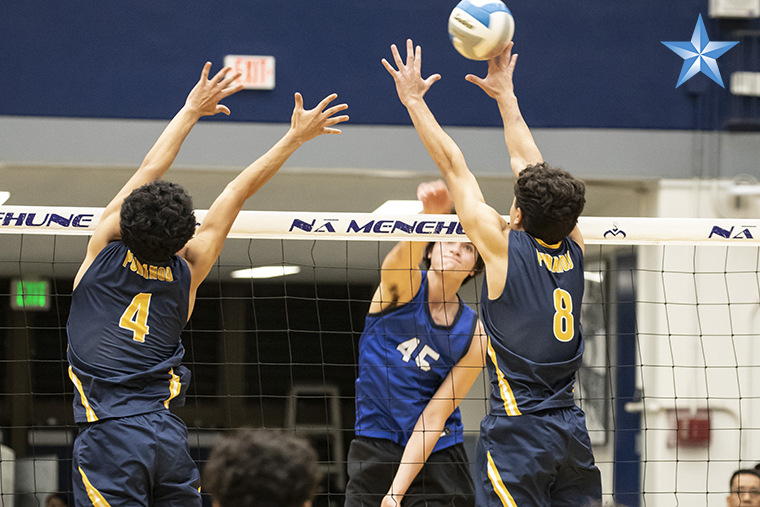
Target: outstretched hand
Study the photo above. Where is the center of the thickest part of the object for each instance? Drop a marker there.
(205, 96)
(435, 197)
(408, 77)
(307, 124)
(498, 82)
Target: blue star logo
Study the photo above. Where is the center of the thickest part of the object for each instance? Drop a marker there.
(700, 54)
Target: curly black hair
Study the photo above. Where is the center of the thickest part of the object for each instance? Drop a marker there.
(262, 468)
(551, 200)
(157, 220)
(479, 264)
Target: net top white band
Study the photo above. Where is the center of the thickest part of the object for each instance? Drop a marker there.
(381, 227)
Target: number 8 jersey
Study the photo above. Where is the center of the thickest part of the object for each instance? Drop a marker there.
(124, 332)
(535, 343)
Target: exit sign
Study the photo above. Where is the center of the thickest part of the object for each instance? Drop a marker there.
(257, 71)
(30, 295)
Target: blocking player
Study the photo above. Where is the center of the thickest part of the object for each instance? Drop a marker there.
(134, 293)
(534, 447)
(259, 468)
(417, 331)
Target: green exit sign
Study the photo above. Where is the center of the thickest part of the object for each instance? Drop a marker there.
(30, 295)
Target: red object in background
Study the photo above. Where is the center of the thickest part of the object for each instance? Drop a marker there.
(693, 428)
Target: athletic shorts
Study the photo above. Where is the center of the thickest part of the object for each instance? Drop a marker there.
(536, 460)
(444, 481)
(117, 460)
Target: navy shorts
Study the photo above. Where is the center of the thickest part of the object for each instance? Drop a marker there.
(444, 480)
(537, 460)
(138, 460)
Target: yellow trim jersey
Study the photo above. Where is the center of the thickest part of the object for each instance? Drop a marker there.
(124, 332)
(535, 342)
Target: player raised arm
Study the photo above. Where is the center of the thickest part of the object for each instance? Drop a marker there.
(203, 100)
(498, 85)
(400, 277)
(305, 124)
(484, 226)
(430, 424)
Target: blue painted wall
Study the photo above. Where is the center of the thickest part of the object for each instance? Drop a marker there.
(586, 63)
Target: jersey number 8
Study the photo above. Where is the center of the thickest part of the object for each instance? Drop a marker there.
(564, 327)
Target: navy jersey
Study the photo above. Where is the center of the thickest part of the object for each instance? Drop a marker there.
(403, 358)
(124, 336)
(535, 342)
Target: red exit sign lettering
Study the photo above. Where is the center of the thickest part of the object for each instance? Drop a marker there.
(257, 71)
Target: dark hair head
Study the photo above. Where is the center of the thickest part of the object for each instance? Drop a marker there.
(551, 200)
(52, 497)
(260, 468)
(479, 264)
(157, 220)
(742, 471)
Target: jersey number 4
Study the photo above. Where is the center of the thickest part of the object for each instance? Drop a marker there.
(135, 317)
(564, 327)
(408, 347)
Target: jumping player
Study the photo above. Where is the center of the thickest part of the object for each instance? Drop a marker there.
(416, 332)
(134, 293)
(534, 447)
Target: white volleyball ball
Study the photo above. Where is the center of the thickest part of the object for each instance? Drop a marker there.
(481, 29)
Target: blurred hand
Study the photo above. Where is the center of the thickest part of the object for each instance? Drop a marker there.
(435, 197)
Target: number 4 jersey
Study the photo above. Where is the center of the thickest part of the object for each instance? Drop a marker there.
(535, 342)
(124, 336)
(403, 358)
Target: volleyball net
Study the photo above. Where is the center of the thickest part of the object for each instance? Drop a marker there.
(671, 319)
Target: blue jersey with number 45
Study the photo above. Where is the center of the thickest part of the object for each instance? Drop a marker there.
(124, 336)
(535, 343)
(403, 358)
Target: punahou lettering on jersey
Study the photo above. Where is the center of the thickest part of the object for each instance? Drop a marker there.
(403, 358)
(124, 336)
(535, 343)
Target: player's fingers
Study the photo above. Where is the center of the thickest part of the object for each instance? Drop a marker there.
(390, 68)
(220, 75)
(432, 79)
(222, 109)
(396, 56)
(335, 109)
(472, 78)
(327, 130)
(230, 90)
(337, 119)
(512, 62)
(229, 78)
(418, 57)
(409, 51)
(206, 70)
(325, 101)
(298, 100)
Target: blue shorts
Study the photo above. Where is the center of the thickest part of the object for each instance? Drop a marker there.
(138, 460)
(536, 460)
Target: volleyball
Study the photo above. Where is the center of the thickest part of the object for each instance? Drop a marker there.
(481, 29)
